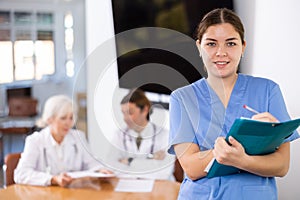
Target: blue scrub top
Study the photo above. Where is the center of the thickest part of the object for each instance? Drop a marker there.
(197, 115)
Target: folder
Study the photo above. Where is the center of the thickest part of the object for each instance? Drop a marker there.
(257, 138)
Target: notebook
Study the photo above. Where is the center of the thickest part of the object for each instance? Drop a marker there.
(257, 137)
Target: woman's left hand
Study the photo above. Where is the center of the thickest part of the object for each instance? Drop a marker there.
(265, 117)
(229, 154)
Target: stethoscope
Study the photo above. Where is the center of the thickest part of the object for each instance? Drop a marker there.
(47, 166)
(150, 155)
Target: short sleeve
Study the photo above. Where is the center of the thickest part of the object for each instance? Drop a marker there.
(181, 128)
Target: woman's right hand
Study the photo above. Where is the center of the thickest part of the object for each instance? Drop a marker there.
(160, 155)
(62, 180)
(232, 154)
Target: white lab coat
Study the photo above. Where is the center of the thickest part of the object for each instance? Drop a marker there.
(43, 158)
(123, 145)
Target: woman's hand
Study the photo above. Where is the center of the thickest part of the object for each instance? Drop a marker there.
(265, 117)
(125, 161)
(62, 180)
(160, 155)
(105, 171)
(229, 154)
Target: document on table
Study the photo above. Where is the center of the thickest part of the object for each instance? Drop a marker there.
(134, 185)
(81, 174)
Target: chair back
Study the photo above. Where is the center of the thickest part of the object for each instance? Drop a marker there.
(10, 163)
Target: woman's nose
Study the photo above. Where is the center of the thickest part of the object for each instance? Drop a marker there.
(221, 52)
(70, 122)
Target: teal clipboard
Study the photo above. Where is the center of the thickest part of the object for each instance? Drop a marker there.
(258, 138)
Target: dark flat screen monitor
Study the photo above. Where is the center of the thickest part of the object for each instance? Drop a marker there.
(159, 70)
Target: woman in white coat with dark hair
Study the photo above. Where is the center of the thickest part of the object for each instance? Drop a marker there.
(55, 150)
(139, 150)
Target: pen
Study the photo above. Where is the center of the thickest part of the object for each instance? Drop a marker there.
(251, 109)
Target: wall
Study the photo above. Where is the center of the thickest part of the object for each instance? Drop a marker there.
(276, 47)
(247, 12)
(272, 51)
(271, 32)
(99, 28)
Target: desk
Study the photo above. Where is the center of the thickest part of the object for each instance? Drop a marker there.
(104, 189)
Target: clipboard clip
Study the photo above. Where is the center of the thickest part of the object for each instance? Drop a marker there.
(276, 124)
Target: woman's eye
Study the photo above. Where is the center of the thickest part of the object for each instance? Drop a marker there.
(231, 44)
(211, 44)
(130, 112)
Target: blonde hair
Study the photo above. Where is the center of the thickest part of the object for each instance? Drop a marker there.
(56, 106)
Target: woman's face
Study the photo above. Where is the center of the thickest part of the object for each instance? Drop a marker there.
(134, 116)
(221, 49)
(60, 125)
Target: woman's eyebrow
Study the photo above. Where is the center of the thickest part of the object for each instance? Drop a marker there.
(229, 39)
(211, 39)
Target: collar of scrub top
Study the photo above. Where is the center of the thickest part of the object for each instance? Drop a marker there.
(131, 137)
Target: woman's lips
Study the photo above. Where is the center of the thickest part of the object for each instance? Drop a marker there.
(221, 64)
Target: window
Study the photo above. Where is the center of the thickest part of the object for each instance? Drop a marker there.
(69, 42)
(26, 45)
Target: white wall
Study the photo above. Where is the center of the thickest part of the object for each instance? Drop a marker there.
(99, 28)
(247, 12)
(272, 28)
(272, 31)
(277, 47)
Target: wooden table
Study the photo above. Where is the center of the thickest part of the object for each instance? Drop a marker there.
(89, 189)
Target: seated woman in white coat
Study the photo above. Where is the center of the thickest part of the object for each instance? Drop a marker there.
(140, 149)
(55, 150)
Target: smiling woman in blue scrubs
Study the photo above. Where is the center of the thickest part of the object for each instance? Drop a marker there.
(202, 113)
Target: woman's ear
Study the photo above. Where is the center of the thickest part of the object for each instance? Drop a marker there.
(244, 47)
(50, 120)
(198, 43)
(198, 46)
(146, 110)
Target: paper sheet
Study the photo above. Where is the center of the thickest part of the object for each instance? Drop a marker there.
(81, 174)
(207, 168)
(134, 185)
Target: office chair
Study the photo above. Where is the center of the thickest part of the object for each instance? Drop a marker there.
(10, 163)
